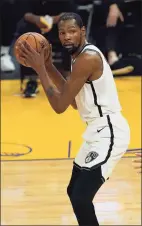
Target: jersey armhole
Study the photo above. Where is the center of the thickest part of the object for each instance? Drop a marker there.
(93, 50)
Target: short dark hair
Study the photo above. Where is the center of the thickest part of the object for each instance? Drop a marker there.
(70, 16)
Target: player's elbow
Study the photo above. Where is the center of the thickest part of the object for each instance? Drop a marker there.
(60, 110)
(74, 105)
(61, 107)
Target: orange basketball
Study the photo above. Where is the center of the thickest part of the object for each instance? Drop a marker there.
(35, 40)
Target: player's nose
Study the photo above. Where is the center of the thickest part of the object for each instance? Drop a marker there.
(67, 37)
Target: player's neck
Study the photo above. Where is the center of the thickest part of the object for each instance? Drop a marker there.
(79, 49)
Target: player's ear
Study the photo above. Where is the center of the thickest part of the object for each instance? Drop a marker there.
(83, 31)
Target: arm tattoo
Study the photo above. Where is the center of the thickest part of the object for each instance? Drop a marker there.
(50, 92)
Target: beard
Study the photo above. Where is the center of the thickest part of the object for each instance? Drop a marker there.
(71, 49)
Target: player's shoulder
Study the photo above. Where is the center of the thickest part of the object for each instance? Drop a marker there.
(87, 60)
(89, 51)
(90, 46)
(89, 57)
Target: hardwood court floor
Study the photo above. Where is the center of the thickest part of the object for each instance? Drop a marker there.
(34, 193)
(33, 187)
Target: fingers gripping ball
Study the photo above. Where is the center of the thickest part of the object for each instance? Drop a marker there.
(35, 40)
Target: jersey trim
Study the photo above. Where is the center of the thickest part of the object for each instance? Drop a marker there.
(110, 146)
(95, 99)
(86, 168)
(87, 44)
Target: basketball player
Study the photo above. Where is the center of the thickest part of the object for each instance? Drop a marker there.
(90, 89)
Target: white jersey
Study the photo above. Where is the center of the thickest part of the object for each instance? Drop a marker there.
(99, 97)
(107, 133)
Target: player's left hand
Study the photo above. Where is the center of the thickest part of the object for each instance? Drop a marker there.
(33, 58)
(138, 165)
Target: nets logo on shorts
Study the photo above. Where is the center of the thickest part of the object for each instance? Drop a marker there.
(91, 156)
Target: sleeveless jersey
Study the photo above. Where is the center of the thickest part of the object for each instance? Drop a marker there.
(99, 97)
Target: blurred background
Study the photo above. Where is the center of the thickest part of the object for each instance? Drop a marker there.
(113, 26)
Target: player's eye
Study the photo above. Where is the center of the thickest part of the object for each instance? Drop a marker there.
(61, 33)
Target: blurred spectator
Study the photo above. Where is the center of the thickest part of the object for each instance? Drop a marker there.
(112, 19)
(123, 22)
(38, 13)
(8, 25)
(107, 14)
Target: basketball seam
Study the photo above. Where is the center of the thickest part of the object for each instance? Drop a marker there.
(46, 42)
(35, 42)
(25, 60)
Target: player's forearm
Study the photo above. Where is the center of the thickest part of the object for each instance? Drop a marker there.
(56, 77)
(58, 80)
(52, 93)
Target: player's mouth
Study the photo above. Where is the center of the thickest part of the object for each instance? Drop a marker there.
(68, 46)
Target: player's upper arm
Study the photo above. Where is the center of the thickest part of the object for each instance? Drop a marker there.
(82, 69)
